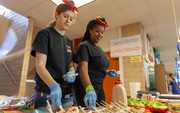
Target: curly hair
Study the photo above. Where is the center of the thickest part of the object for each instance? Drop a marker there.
(91, 25)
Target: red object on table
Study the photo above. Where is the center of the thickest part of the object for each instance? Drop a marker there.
(157, 110)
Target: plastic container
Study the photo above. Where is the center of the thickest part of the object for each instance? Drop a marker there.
(119, 93)
(134, 87)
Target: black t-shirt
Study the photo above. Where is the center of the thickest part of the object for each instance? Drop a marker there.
(60, 53)
(97, 60)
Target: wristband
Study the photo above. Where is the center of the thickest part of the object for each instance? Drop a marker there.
(72, 69)
(89, 87)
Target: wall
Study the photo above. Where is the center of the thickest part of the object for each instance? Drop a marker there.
(108, 35)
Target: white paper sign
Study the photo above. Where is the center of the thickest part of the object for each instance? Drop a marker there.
(149, 50)
(127, 46)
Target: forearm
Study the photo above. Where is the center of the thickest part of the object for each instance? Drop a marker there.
(85, 78)
(45, 75)
(41, 60)
(83, 74)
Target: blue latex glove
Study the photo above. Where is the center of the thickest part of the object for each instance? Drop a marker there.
(90, 98)
(56, 94)
(67, 74)
(112, 73)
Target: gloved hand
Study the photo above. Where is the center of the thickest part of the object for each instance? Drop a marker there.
(68, 76)
(56, 94)
(90, 98)
(112, 73)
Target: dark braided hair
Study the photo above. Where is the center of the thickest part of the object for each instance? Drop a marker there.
(91, 25)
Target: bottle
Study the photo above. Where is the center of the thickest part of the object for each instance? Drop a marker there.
(119, 93)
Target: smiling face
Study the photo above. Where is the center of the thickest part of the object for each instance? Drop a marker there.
(96, 33)
(64, 19)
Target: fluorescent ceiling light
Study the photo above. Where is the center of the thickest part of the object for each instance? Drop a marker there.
(78, 3)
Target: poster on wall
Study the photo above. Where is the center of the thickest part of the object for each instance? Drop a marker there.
(126, 46)
(149, 50)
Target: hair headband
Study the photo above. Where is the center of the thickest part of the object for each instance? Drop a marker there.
(104, 23)
(70, 5)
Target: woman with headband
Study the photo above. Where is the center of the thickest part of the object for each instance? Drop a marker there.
(54, 55)
(92, 65)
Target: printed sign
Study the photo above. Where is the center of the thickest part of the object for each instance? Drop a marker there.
(127, 46)
(149, 52)
(136, 58)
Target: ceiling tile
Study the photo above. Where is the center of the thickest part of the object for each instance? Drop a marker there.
(103, 7)
(86, 22)
(163, 16)
(153, 36)
(177, 14)
(119, 18)
(31, 3)
(78, 29)
(111, 26)
(159, 5)
(154, 43)
(45, 24)
(115, 25)
(167, 35)
(14, 5)
(150, 29)
(168, 50)
(139, 10)
(145, 21)
(127, 3)
(177, 2)
(84, 11)
(166, 25)
(46, 8)
(168, 55)
(75, 22)
(39, 18)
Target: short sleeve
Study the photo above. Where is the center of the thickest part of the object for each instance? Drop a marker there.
(40, 43)
(82, 53)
